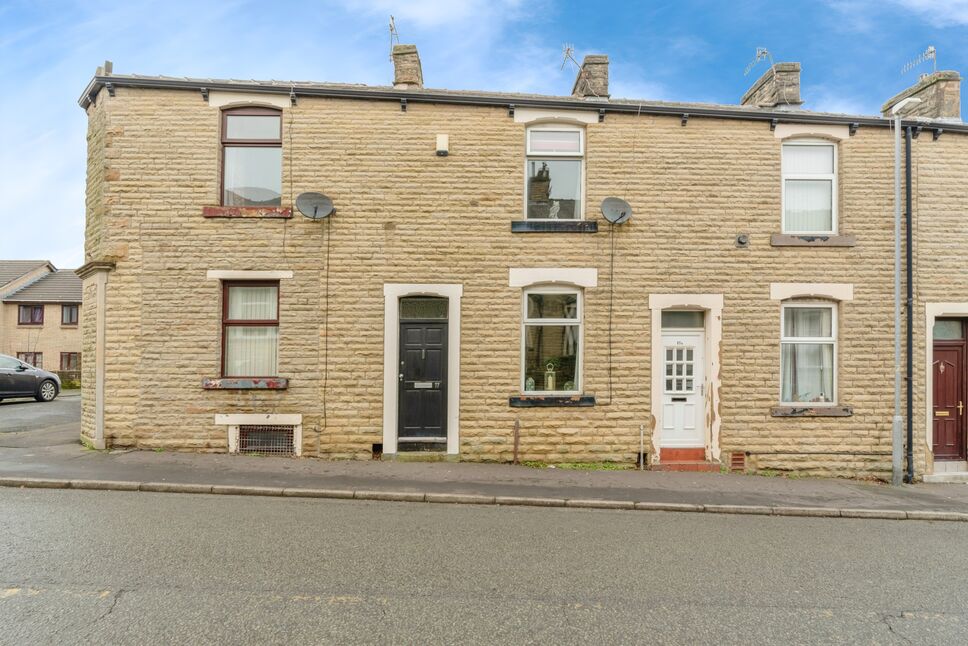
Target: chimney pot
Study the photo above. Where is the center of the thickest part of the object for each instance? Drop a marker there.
(940, 94)
(407, 73)
(779, 87)
(592, 80)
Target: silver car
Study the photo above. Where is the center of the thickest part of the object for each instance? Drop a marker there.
(19, 379)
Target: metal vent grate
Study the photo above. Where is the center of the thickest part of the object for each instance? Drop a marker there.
(737, 461)
(271, 439)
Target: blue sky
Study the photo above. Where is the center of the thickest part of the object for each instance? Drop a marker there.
(852, 52)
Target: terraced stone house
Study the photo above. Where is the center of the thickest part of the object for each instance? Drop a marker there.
(466, 298)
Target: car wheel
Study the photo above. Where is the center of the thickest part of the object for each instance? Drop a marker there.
(47, 391)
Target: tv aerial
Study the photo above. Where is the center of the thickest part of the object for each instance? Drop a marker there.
(930, 54)
(314, 206)
(761, 54)
(616, 210)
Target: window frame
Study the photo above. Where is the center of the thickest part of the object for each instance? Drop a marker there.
(833, 340)
(227, 322)
(529, 155)
(579, 320)
(76, 308)
(22, 357)
(834, 184)
(68, 355)
(226, 141)
(33, 306)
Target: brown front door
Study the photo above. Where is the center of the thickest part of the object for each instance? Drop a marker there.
(949, 400)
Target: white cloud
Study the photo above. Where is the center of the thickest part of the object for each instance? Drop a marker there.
(941, 13)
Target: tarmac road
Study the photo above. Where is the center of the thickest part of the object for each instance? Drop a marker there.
(137, 568)
(25, 422)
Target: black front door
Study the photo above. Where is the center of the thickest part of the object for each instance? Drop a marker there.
(423, 382)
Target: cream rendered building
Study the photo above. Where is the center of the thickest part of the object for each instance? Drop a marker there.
(466, 297)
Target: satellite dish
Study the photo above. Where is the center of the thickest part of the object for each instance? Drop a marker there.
(314, 206)
(616, 210)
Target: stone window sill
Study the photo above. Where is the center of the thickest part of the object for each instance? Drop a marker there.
(796, 240)
(246, 212)
(554, 226)
(812, 411)
(551, 401)
(243, 383)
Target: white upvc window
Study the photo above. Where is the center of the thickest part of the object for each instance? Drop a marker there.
(554, 172)
(808, 353)
(809, 189)
(551, 341)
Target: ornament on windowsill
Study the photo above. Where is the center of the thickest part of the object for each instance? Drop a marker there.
(550, 376)
(529, 384)
(553, 211)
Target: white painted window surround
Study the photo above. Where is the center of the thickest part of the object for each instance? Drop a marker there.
(833, 291)
(244, 274)
(537, 115)
(226, 99)
(571, 328)
(577, 276)
(392, 293)
(817, 130)
(234, 420)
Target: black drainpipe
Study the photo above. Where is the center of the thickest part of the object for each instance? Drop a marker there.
(910, 307)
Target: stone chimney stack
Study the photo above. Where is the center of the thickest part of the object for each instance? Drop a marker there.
(592, 81)
(940, 94)
(407, 73)
(779, 87)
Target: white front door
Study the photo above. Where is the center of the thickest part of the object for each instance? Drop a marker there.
(683, 390)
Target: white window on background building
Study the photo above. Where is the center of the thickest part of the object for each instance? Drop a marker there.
(554, 171)
(808, 355)
(250, 329)
(809, 186)
(552, 339)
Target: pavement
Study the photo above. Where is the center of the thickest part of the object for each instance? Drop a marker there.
(49, 454)
(98, 567)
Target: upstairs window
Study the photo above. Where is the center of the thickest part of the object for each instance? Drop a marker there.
(808, 353)
(552, 338)
(30, 315)
(69, 314)
(251, 157)
(555, 172)
(809, 187)
(250, 329)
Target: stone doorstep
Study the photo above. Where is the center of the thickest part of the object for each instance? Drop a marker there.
(411, 496)
(947, 477)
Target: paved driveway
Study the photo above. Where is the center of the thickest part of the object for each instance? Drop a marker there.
(26, 423)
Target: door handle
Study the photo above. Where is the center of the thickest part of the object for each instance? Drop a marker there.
(961, 407)
(401, 376)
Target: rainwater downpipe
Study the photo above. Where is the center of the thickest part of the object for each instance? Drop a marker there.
(909, 255)
(897, 440)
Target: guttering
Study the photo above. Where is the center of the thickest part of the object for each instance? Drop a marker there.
(483, 99)
(909, 476)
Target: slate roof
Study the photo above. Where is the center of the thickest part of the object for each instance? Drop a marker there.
(13, 269)
(476, 97)
(62, 286)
